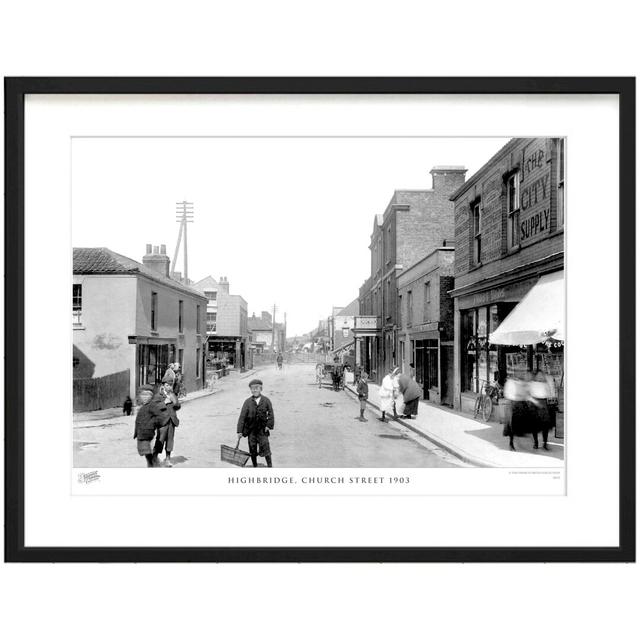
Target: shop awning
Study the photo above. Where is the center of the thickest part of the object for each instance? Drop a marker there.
(537, 317)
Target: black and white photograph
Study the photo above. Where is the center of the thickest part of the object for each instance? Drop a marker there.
(354, 302)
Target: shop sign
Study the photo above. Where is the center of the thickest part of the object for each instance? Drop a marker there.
(535, 195)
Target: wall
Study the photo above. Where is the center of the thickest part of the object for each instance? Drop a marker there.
(232, 315)
(100, 343)
(536, 160)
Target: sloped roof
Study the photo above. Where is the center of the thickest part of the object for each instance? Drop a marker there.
(258, 324)
(205, 283)
(100, 260)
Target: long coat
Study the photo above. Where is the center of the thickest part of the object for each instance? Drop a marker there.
(256, 418)
(409, 388)
(386, 394)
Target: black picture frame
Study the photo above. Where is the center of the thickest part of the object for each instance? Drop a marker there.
(15, 91)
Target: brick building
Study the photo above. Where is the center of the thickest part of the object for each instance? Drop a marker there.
(509, 262)
(425, 323)
(227, 331)
(413, 225)
(131, 316)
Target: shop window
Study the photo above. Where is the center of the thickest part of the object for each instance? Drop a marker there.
(561, 173)
(154, 311)
(479, 358)
(477, 232)
(513, 210)
(76, 304)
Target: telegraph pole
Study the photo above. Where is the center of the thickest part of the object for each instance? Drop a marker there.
(273, 328)
(184, 215)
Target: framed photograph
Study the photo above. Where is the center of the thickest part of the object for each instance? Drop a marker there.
(320, 319)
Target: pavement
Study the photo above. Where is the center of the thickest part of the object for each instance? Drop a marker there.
(478, 443)
(315, 428)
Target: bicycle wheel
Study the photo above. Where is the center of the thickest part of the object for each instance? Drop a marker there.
(487, 408)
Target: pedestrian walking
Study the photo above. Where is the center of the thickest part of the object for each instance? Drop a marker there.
(411, 394)
(363, 394)
(127, 407)
(166, 433)
(255, 422)
(279, 360)
(151, 416)
(386, 393)
(178, 386)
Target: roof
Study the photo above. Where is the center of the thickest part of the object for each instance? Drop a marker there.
(258, 324)
(205, 283)
(494, 158)
(103, 261)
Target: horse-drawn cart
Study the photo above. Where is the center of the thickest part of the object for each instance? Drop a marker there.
(330, 375)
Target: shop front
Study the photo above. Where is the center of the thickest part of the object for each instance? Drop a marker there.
(153, 357)
(228, 350)
(510, 331)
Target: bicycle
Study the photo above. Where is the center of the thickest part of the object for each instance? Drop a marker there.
(488, 396)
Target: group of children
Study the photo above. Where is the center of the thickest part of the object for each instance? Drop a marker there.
(157, 418)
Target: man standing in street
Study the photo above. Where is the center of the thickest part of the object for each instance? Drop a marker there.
(255, 421)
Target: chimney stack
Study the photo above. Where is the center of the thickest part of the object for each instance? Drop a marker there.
(157, 260)
(223, 284)
(446, 179)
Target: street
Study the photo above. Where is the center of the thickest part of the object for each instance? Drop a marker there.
(314, 428)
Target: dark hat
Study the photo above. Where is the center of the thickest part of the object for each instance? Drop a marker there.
(146, 387)
(255, 381)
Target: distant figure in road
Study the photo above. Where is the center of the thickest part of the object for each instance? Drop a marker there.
(336, 374)
(127, 407)
(279, 361)
(255, 421)
(166, 433)
(412, 370)
(387, 393)
(151, 416)
(411, 393)
(363, 394)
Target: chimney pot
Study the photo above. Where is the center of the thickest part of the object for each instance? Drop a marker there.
(163, 249)
(155, 249)
(148, 249)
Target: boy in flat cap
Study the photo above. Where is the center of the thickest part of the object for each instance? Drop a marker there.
(255, 421)
(151, 415)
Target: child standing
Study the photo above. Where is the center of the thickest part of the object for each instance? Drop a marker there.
(363, 393)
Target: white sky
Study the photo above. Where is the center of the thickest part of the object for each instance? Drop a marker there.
(287, 220)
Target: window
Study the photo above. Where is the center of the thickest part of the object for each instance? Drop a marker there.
(427, 300)
(154, 311)
(181, 359)
(409, 308)
(477, 236)
(180, 316)
(211, 321)
(211, 296)
(198, 327)
(76, 308)
(388, 302)
(561, 172)
(400, 311)
(197, 363)
(513, 210)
